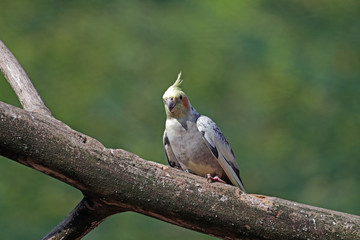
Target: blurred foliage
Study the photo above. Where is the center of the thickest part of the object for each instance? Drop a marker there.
(280, 78)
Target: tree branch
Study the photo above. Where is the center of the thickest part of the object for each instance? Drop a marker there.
(113, 181)
(20, 82)
(85, 217)
(123, 181)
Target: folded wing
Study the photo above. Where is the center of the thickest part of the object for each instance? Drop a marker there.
(220, 148)
(170, 156)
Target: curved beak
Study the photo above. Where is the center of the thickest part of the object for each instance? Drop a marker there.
(170, 103)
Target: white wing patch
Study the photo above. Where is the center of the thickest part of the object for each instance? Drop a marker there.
(220, 148)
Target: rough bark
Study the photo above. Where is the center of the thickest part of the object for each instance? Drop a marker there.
(123, 181)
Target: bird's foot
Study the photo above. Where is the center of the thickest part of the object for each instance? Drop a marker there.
(210, 178)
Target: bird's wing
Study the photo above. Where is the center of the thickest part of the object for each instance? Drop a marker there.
(170, 156)
(220, 148)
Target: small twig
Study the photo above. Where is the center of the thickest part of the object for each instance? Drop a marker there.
(85, 217)
(20, 82)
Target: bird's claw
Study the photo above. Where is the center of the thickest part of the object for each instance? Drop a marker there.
(210, 178)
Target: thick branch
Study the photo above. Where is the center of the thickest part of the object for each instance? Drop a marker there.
(20, 82)
(122, 180)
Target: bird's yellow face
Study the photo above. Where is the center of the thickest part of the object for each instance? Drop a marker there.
(176, 102)
(176, 106)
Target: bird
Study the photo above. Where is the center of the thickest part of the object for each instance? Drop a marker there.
(193, 142)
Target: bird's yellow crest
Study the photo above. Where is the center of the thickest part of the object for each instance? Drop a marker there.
(177, 82)
(174, 90)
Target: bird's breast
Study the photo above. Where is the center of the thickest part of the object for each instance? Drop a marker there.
(190, 149)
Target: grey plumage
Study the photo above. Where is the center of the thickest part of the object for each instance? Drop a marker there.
(193, 142)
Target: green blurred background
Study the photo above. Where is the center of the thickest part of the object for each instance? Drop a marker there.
(280, 78)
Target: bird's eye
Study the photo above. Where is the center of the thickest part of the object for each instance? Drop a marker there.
(180, 97)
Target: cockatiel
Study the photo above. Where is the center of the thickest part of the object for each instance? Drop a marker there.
(194, 143)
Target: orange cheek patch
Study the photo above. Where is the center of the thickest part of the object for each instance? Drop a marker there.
(185, 102)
